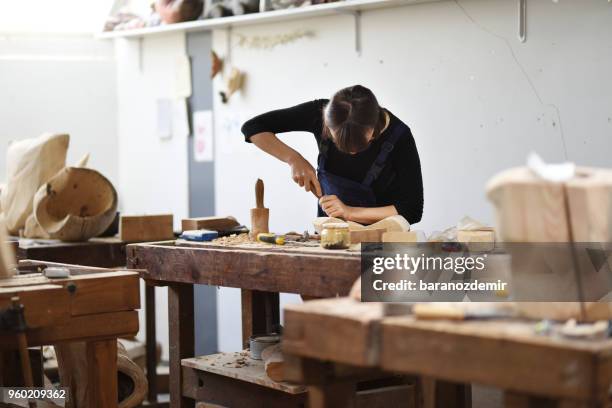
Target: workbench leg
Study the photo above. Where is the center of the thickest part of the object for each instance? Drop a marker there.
(518, 400)
(151, 343)
(259, 311)
(102, 373)
(334, 395)
(442, 394)
(181, 330)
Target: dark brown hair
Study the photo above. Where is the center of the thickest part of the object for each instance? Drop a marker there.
(350, 114)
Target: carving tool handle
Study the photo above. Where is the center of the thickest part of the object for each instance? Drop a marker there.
(259, 193)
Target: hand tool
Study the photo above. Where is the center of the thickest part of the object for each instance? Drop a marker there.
(260, 214)
(270, 238)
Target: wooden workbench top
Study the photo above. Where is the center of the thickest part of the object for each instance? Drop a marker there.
(306, 270)
(503, 353)
(78, 307)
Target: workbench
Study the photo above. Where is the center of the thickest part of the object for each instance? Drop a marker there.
(260, 270)
(89, 306)
(108, 252)
(533, 370)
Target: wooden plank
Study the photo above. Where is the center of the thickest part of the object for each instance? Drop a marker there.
(117, 324)
(241, 366)
(140, 228)
(475, 351)
(320, 329)
(211, 223)
(214, 390)
(43, 304)
(337, 394)
(104, 292)
(264, 270)
(181, 344)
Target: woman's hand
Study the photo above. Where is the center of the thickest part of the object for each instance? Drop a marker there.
(333, 207)
(304, 174)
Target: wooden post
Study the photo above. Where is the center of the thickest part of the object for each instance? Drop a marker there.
(181, 330)
(151, 342)
(102, 373)
(338, 394)
(255, 318)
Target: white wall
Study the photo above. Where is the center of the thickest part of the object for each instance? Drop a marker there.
(153, 172)
(60, 83)
(475, 98)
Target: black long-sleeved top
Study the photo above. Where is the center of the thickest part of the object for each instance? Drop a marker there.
(399, 184)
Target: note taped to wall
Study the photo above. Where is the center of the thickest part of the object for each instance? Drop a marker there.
(203, 136)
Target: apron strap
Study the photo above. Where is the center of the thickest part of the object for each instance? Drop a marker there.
(386, 149)
(323, 149)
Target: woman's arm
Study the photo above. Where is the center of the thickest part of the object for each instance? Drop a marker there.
(302, 172)
(334, 207)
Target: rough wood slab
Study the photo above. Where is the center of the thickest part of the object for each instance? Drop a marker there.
(240, 366)
(315, 274)
(342, 330)
(505, 354)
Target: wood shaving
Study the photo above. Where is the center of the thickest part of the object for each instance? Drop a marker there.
(234, 239)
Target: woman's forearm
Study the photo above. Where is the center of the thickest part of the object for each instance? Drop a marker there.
(370, 215)
(269, 143)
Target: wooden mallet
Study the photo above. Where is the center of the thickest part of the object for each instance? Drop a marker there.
(260, 214)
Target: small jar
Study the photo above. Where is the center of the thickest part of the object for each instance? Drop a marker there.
(335, 235)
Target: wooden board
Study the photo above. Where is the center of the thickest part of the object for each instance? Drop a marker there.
(141, 228)
(248, 370)
(211, 223)
(504, 354)
(342, 329)
(53, 301)
(322, 274)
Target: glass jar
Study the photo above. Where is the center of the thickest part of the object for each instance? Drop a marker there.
(335, 235)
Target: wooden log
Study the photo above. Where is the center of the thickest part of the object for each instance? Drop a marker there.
(141, 228)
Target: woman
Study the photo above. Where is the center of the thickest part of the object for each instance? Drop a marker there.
(368, 166)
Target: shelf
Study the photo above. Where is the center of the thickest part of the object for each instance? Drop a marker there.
(318, 10)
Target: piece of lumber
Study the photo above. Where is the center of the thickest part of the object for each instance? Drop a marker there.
(181, 339)
(395, 223)
(399, 236)
(210, 223)
(590, 205)
(481, 240)
(528, 209)
(141, 228)
(273, 362)
(366, 235)
(327, 323)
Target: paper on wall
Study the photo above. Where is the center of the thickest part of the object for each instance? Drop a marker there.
(203, 136)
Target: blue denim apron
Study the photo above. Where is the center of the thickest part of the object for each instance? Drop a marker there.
(350, 192)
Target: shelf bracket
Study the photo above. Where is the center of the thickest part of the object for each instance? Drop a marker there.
(522, 20)
(357, 21)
